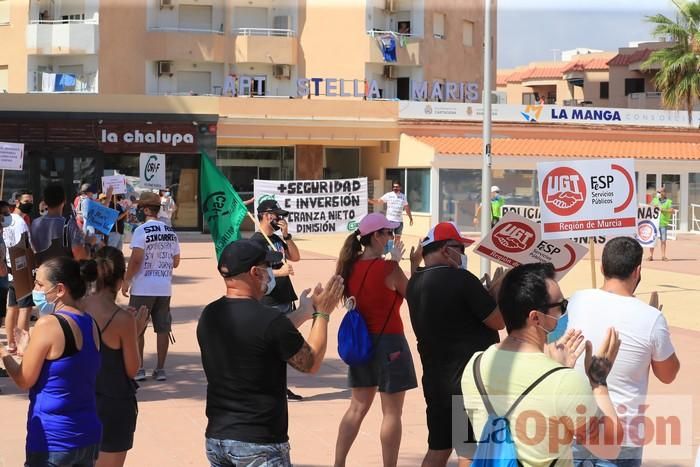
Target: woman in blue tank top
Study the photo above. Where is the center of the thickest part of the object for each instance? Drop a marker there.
(59, 369)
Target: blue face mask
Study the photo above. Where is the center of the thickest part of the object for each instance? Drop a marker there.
(559, 330)
(43, 305)
(389, 245)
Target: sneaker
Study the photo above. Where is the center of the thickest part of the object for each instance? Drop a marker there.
(293, 397)
(159, 374)
(140, 375)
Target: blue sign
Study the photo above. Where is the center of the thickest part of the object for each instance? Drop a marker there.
(100, 217)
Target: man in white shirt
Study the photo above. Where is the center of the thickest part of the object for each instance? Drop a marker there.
(155, 252)
(396, 204)
(168, 208)
(646, 342)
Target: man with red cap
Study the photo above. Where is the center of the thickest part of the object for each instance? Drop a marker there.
(453, 316)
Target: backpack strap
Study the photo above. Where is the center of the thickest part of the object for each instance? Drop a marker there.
(531, 387)
(480, 385)
(66, 238)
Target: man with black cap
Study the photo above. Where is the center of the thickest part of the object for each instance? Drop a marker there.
(155, 252)
(245, 348)
(272, 219)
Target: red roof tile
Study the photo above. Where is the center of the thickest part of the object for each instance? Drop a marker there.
(626, 59)
(585, 65)
(565, 148)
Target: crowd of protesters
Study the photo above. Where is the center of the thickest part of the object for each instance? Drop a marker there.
(591, 354)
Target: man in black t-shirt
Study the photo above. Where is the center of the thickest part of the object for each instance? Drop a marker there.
(453, 316)
(245, 348)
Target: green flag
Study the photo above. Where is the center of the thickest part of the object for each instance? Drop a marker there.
(222, 208)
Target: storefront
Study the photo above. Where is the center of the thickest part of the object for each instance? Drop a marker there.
(76, 148)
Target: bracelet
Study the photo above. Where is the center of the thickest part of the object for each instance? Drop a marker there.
(325, 316)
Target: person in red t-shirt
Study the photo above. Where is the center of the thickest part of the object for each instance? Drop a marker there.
(378, 286)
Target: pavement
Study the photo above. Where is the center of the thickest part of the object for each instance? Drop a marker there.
(171, 423)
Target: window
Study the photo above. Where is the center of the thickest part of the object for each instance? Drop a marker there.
(439, 25)
(342, 163)
(529, 98)
(4, 12)
(415, 184)
(634, 85)
(605, 90)
(195, 17)
(4, 78)
(468, 34)
(194, 82)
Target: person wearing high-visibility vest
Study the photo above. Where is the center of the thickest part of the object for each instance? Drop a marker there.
(497, 202)
(666, 207)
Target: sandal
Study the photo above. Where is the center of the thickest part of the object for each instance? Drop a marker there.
(650, 258)
(12, 350)
(664, 259)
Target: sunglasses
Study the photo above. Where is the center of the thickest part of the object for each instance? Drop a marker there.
(563, 304)
(387, 232)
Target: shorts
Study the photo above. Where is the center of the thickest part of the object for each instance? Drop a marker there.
(158, 309)
(399, 230)
(118, 417)
(391, 368)
(232, 453)
(79, 457)
(663, 233)
(3, 301)
(12, 301)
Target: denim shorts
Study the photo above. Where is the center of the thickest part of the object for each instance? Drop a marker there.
(399, 230)
(232, 453)
(630, 456)
(80, 457)
(663, 233)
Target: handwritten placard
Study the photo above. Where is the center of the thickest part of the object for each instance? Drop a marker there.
(101, 217)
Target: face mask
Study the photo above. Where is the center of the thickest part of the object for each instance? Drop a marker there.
(388, 247)
(44, 212)
(6, 220)
(94, 196)
(140, 215)
(26, 208)
(43, 305)
(559, 330)
(463, 264)
(167, 194)
(270, 283)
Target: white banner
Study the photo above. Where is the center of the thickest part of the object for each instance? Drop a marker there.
(116, 182)
(585, 198)
(152, 170)
(457, 111)
(317, 206)
(516, 240)
(11, 156)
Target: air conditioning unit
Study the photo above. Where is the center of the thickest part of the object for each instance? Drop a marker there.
(165, 68)
(282, 71)
(390, 6)
(390, 71)
(166, 4)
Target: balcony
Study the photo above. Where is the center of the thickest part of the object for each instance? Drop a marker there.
(63, 37)
(264, 45)
(408, 48)
(63, 82)
(166, 43)
(644, 100)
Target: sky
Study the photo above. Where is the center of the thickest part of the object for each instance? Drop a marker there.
(529, 30)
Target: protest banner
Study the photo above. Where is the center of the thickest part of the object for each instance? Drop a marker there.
(152, 170)
(116, 182)
(22, 267)
(11, 158)
(317, 206)
(587, 198)
(516, 240)
(100, 217)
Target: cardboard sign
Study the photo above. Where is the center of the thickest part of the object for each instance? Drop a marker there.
(152, 170)
(317, 206)
(11, 156)
(516, 240)
(648, 225)
(22, 267)
(116, 182)
(101, 217)
(587, 198)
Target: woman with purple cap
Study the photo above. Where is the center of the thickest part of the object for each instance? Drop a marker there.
(378, 287)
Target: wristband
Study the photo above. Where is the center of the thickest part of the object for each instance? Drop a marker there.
(325, 316)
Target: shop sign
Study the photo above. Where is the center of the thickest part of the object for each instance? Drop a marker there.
(152, 170)
(11, 156)
(516, 240)
(587, 198)
(147, 138)
(317, 206)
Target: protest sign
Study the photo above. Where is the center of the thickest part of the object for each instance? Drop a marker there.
(116, 182)
(516, 240)
(22, 267)
(648, 225)
(11, 156)
(101, 217)
(531, 213)
(317, 206)
(587, 198)
(152, 170)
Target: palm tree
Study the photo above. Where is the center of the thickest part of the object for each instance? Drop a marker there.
(679, 76)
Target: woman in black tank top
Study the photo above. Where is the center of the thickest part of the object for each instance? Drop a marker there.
(116, 389)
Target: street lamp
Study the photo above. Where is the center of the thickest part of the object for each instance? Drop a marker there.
(486, 137)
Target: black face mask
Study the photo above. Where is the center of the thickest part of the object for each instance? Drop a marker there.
(26, 208)
(141, 215)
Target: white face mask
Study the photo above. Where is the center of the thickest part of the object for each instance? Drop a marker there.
(270, 286)
(462, 261)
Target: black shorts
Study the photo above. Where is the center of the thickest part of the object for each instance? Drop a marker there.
(158, 309)
(12, 301)
(446, 420)
(391, 368)
(399, 230)
(3, 301)
(118, 417)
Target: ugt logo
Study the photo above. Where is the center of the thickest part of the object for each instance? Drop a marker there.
(513, 237)
(151, 169)
(564, 191)
(215, 206)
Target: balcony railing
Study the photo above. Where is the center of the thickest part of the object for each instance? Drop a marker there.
(264, 32)
(64, 21)
(177, 29)
(46, 82)
(644, 95)
(376, 32)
